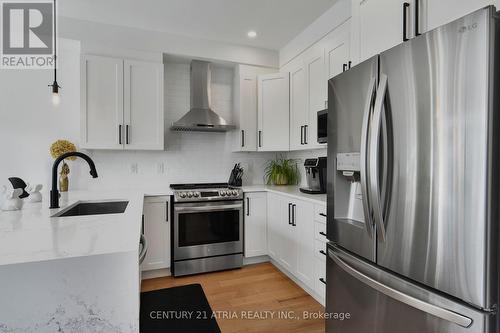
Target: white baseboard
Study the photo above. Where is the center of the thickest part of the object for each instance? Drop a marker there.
(255, 260)
(156, 273)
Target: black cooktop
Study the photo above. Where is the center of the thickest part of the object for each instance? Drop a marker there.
(195, 186)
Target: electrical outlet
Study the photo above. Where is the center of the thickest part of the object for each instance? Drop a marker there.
(134, 168)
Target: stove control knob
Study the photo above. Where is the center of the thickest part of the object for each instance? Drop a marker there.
(196, 194)
(182, 195)
(235, 193)
(190, 194)
(223, 193)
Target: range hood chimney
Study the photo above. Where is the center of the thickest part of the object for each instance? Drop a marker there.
(201, 117)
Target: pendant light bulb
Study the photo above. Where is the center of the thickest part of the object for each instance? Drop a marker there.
(56, 98)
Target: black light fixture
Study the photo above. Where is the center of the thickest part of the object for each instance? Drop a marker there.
(55, 86)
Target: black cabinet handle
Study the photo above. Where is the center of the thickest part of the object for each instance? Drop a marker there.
(349, 64)
(406, 5)
(301, 135)
(126, 134)
(289, 214)
(322, 233)
(322, 280)
(322, 252)
(294, 222)
(417, 18)
(344, 67)
(260, 139)
(321, 214)
(248, 206)
(120, 134)
(143, 224)
(243, 138)
(305, 134)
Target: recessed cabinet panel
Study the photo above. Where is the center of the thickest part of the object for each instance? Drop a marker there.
(101, 102)
(273, 112)
(156, 226)
(255, 224)
(143, 105)
(298, 106)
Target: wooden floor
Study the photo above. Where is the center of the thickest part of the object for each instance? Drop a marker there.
(251, 291)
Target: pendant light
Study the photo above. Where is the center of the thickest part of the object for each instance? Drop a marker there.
(56, 99)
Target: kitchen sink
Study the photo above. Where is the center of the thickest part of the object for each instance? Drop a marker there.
(93, 208)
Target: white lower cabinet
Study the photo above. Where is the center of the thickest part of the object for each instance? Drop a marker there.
(291, 236)
(255, 224)
(156, 225)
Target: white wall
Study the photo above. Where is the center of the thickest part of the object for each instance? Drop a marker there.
(332, 18)
(29, 122)
(153, 41)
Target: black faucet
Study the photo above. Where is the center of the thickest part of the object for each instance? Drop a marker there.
(54, 193)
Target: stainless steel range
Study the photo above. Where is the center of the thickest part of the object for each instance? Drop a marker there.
(207, 229)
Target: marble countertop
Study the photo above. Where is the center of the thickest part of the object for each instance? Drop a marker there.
(32, 235)
(290, 190)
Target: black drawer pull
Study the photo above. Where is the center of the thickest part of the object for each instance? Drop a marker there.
(322, 252)
(321, 214)
(322, 280)
(322, 233)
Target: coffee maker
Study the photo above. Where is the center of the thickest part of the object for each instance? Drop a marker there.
(316, 175)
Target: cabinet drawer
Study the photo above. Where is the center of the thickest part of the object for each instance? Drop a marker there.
(320, 213)
(320, 231)
(320, 246)
(319, 276)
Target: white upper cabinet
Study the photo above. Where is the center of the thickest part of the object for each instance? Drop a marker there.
(273, 112)
(298, 104)
(245, 106)
(121, 104)
(101, 102)
(255, 224)
(337, 52)
(381, 25)
(317, 93)
(444, 11)
(143, 116)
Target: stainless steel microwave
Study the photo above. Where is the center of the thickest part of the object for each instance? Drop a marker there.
(322, 126)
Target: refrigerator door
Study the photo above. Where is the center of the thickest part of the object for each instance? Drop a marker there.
(363, 298)
(350, 101)
(434, 216)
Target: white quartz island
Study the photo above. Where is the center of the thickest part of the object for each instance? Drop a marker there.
(70, 274)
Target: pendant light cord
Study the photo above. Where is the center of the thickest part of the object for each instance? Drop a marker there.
(55, 44)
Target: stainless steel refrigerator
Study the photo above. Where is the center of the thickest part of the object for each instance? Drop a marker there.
(413, 185)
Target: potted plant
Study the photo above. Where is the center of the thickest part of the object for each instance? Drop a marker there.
(57, 149)
(282, 171)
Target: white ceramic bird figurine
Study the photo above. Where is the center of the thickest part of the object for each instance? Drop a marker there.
(34, 192)
(11, 199)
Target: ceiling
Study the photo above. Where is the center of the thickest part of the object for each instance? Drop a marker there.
(275, 21)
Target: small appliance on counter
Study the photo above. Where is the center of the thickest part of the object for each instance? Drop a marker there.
(236, 175)
(316, 175)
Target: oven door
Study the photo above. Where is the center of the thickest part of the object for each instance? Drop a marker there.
(205, 229)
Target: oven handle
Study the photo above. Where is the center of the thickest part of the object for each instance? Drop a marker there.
(208, 208)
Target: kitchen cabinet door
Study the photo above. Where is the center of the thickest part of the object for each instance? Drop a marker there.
(143, 116)
(274, 219)
(337, 52)
(255, 224)
(317, 87)
(248, 113)
(288, 250)
(273, 112)
(381, 25)
(156, 225)
(298, 105)
(304, 240)
(101, 102)
(444, 11)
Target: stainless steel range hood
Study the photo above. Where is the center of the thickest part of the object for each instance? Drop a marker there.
(201, 117)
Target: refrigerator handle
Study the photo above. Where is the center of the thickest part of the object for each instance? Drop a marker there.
(374, 154)
(364, 157)
(399, 296)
